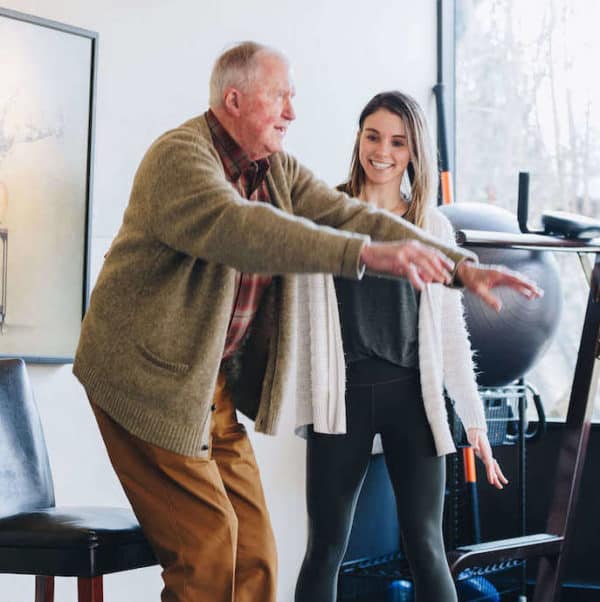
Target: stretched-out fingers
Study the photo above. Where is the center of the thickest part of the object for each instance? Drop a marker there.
(483, 292)
(501, 276)
(414, 277)
(433, 266)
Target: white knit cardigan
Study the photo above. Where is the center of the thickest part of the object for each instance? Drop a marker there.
(445, 356)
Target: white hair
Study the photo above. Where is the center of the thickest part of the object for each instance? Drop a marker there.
(235, 67)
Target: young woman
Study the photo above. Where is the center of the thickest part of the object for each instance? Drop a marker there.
(401, 348)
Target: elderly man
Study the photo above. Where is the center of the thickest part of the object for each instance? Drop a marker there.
(200, 272)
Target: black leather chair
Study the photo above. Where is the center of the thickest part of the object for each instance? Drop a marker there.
(39, 538)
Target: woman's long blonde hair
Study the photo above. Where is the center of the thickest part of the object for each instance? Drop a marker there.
(421, 172)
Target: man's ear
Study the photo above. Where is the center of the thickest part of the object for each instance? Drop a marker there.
(231, 101)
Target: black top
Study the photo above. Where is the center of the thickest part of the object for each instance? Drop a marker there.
(379, 318)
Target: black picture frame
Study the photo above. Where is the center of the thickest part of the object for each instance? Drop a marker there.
(47, 114)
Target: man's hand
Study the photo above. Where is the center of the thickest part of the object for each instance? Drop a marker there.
(409, 259)
(480, 443)
(480, 279)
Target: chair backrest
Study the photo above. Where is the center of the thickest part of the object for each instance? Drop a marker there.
(25, 477)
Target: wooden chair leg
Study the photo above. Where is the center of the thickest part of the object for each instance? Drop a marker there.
(44, 588)
(89, 589)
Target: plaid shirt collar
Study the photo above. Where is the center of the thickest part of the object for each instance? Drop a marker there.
(235, 160)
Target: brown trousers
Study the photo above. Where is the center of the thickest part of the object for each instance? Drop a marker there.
(206, 519)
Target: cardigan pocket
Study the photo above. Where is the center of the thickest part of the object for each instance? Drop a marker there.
(152, 357)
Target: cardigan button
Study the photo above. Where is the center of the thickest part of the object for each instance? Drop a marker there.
(204, 448)
(213, 407)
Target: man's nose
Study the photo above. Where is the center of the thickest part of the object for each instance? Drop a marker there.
(288, 110)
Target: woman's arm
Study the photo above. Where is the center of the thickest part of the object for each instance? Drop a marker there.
(459, 378)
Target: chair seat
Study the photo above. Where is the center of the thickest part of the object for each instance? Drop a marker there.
(72, 541)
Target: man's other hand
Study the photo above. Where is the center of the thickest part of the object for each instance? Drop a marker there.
(481, 279)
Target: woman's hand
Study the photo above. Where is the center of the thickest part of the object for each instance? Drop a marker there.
(480, 443)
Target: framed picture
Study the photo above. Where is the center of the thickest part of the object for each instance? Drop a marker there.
(47, 88)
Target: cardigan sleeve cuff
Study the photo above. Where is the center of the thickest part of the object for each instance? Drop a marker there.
(352, 266)
(456, 281)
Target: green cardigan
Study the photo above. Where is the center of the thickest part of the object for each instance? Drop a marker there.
(152, 339)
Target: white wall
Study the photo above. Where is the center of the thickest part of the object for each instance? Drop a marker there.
(154, 63)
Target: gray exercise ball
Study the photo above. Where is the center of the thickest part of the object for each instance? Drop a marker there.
(509, 343)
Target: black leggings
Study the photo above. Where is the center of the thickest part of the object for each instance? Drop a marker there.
(381, 398)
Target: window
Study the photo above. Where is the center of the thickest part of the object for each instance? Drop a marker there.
(528, 99)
